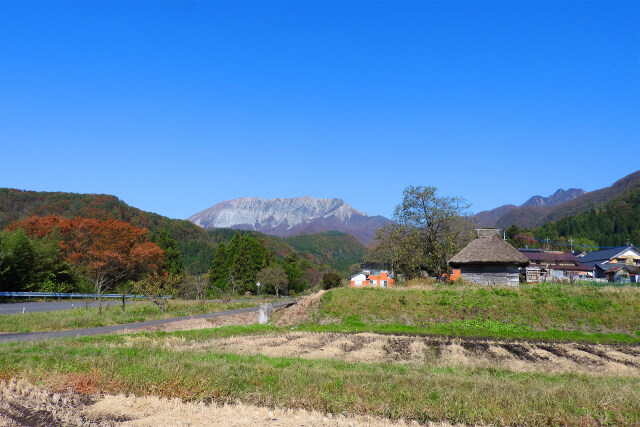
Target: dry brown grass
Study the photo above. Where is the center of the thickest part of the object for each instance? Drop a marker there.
(301, 312)
(240, 319)
(548, 358)
(23, 403)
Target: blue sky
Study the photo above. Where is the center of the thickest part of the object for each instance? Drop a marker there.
(176, 106)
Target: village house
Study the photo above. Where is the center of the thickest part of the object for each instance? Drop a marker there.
(489, 260)
(615, 264)
(372, 276)
(554, 266)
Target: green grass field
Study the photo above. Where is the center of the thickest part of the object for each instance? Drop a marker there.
(561, 312)
(407, 391)
(111, 315)
(166, 364)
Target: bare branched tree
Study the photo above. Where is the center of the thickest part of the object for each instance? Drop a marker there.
(425, 232)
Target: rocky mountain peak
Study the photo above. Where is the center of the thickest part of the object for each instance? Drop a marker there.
(559, 197)
(289, 216)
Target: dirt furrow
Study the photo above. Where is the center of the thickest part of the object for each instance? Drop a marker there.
(591, 359)
(23, 404)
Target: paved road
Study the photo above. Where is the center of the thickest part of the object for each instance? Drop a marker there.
(31, 307)
(37, 336)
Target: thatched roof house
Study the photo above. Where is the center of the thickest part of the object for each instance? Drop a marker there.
(489, 260)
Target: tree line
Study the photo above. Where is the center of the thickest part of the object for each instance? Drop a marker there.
(240, 263)
(57, 254)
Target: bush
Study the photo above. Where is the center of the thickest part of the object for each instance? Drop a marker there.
(331, 280)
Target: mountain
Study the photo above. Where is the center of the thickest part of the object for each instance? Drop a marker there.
(20, 204)
(490, 218)
(560, 196)
(289, 217)
(194, 242)
(532, 216)
(197, 245)
(614, 224)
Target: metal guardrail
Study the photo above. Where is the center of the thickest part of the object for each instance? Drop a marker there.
(60, 295)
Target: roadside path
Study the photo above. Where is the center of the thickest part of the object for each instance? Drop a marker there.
(32, 307)
(37, 336)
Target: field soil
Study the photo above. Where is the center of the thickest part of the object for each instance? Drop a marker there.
(23, 404)
(551, 358)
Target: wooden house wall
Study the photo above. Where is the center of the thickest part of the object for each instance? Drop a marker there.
(491, 274)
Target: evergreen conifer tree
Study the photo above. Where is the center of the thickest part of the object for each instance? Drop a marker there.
(219, 273)
(249, 260)
(172, 258)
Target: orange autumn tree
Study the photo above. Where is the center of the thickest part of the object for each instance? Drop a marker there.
(108, 252)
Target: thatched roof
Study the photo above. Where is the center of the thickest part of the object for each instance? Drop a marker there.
(488, 250)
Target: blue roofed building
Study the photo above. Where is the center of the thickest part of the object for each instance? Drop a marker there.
(614, 262)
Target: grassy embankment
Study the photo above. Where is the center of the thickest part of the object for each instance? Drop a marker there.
(410, 391)
(547, 312)
(419, 391)
(112, 315)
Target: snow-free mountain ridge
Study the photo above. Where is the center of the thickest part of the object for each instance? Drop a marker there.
(560, 196)
(537, 210)
(492, 217)
(289, 216)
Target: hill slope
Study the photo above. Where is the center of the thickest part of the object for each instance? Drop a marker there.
(559, 197)
(18, 204)
(617, 223)
(339, 250)
(289, 217)
(194, 242)
(490, 218)
(336, 249)
(532, 216)
(197, 245)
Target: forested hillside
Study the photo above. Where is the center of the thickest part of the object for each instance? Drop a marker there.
(535, 216)
(194, 242)
(339, 250)
(336, 249)
(617, 223)
(18, 204)
(196, 245)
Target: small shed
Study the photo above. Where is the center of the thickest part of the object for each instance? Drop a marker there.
(489, 260)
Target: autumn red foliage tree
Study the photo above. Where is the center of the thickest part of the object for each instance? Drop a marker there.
(107, 252)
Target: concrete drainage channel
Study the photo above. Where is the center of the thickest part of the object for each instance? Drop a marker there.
(263, 312)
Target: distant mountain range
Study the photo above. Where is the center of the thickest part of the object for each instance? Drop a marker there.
(290, 216)
(538, 210)
(491, 218)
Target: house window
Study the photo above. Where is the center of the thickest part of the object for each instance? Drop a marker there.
(372, 282)
(384, 283)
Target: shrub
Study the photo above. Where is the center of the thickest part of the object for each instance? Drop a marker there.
(331, 280)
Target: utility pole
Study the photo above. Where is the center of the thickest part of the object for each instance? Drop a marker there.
(571, 241)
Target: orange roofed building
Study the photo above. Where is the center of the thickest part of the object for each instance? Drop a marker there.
(372, 277)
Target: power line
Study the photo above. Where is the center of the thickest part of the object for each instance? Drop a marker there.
(547, 241)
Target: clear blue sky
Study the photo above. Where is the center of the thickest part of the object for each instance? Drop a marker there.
(176, 106)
